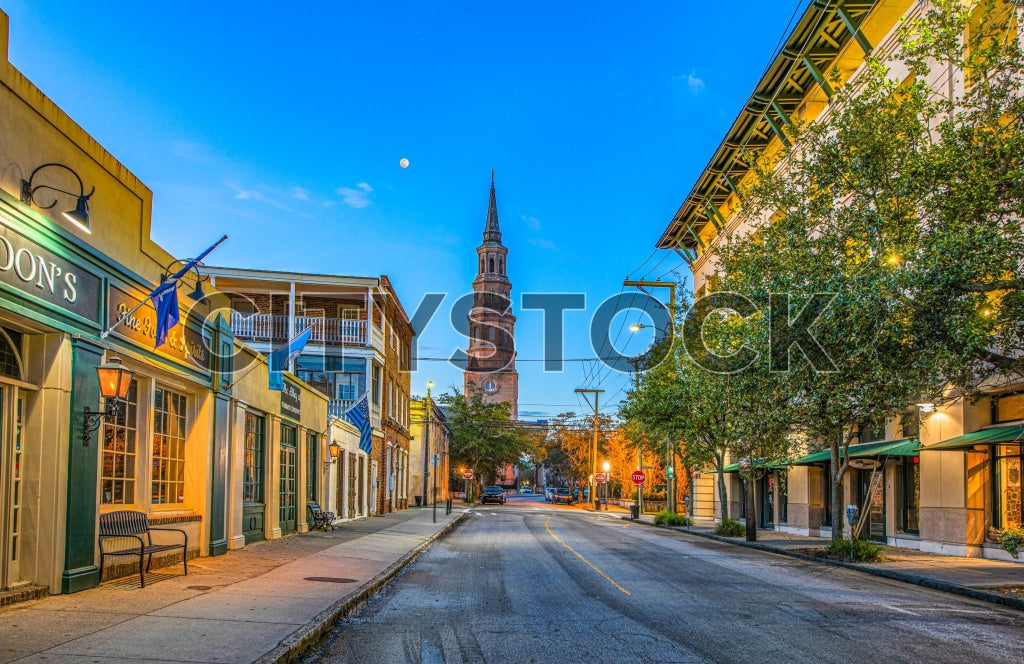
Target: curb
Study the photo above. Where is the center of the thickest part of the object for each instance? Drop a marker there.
(350, 605)
(913, 579)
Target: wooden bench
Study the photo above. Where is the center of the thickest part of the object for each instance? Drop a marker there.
(131, 525)
(321, 519)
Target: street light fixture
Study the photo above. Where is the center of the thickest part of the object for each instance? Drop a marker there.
(115, 380)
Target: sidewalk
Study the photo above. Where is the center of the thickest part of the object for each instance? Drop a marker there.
(980, 578)
(264, 603)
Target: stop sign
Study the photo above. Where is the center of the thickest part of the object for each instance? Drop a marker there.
(638, 477)
(468, 475)
(599, 478)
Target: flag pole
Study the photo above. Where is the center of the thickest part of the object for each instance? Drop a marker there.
(173, 279)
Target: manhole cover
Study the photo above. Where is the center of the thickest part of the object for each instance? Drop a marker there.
(330, 579)
(199, 587)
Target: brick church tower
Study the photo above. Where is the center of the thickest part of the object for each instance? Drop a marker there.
(491, 367)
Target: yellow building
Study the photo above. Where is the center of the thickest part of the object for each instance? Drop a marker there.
(76, 268)
(947, 478)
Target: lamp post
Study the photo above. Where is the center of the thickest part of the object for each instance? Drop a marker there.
(426, 443)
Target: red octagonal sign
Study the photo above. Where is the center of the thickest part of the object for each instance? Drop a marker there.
(638, 477)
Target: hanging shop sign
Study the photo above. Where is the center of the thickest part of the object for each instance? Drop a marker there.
(29, 268)
(291, 400)
(183, 343)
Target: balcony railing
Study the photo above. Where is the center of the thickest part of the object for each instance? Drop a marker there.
(270, 327)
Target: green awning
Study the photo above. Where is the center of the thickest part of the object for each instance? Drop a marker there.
(887, 448)
(1013, 433)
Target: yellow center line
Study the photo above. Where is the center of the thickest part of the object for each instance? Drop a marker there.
(578, 555)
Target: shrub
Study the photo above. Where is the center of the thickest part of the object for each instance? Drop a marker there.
(1011, 540)
(666, 518)
(861, 550)
(730, 528)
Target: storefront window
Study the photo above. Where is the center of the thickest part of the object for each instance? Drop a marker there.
(1008, 408)
(1008, 499)
(252, 481)
(909, 491)
(169, 431)
(120, 440)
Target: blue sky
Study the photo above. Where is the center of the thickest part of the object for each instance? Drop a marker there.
(283, 126)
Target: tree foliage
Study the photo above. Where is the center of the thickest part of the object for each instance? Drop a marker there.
(483, 437)
(903, 204)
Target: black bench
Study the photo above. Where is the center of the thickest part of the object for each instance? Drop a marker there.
(321, 519)
(131, 525)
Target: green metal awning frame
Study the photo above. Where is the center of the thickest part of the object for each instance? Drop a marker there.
(798, 70)
(904, 447)
(1013, 433)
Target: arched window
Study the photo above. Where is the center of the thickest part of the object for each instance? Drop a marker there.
(491, 265)
(501, 265)
(481, 263)
(10, 354)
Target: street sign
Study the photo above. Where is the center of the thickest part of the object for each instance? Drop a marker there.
(468, 475)
(670, 473)
(638, 477)
(600, 478)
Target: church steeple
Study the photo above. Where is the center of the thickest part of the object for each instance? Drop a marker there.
(492, 232)
(491, 363)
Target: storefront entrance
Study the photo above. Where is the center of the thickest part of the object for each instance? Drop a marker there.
(12, 407)
(872, 489)
(766, 492)
(353, 485)
(289, 479)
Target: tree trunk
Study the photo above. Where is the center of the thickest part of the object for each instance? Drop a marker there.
(723, 495)
(836, 487)
(751, 510)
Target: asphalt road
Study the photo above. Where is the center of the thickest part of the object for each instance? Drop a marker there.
(527, 582)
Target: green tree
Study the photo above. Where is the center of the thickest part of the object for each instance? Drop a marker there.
(482, 435)
(902, 205)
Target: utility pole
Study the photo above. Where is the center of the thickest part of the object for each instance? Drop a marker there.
(670, 482)
(593, 449)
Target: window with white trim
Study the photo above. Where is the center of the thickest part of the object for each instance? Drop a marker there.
(170, 427)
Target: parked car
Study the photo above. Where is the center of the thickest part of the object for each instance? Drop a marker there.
(524, 490)
(562, 495)
(492, 494)
(549, 494)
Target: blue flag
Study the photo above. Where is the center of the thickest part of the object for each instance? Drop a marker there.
(165, 299)
(359, 415)
(283, 356)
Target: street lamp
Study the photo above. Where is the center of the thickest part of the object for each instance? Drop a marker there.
(333, 452)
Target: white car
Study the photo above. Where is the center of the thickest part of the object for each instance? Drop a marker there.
(525, 490)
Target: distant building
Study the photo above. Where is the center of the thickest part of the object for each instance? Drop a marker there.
(430, 437)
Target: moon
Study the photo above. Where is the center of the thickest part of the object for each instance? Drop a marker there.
(404, 163)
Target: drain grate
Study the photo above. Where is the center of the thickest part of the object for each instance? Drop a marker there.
(330, 579)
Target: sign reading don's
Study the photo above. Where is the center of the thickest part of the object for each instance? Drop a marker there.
(183, 343)
(31, 269)
(291, 400)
